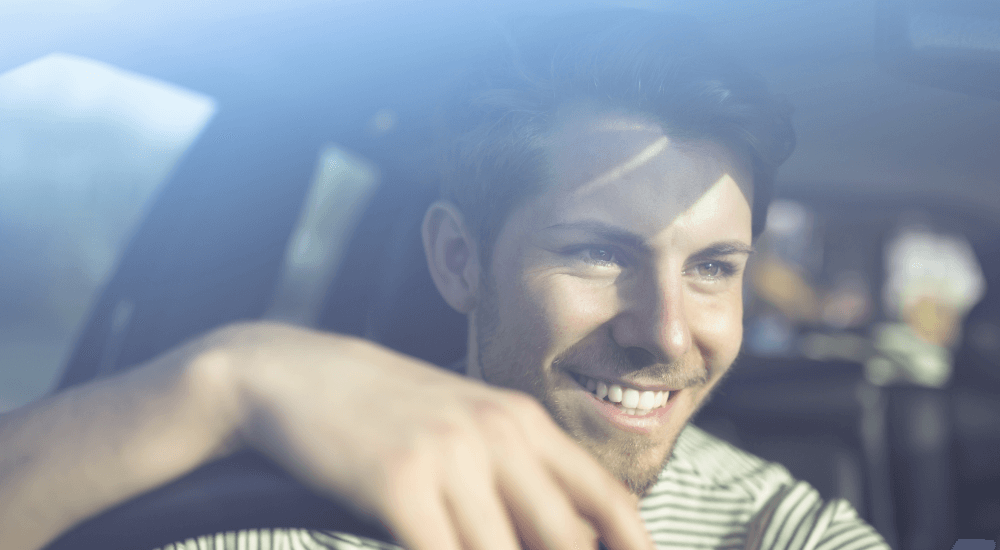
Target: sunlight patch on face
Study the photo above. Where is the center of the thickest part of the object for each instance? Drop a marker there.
(630, 165)
(711, 206)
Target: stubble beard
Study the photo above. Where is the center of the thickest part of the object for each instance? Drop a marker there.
(620, 458)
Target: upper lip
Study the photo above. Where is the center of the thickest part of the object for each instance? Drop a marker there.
(636, 385)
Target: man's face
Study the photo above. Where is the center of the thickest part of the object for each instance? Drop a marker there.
(615, 296)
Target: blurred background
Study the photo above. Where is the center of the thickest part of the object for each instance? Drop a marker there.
(165, 168)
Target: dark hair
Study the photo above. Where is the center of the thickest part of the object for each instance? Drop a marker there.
(652, 64)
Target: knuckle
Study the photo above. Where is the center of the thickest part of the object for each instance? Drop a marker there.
(413, 459)
(459, 450)
(449, 437)
(527, 407)
(607, 485)
(586, 538)
(427, 452)
(573, 534)
(495, 420)
(617, 502)
(400, 479)
(394, 470)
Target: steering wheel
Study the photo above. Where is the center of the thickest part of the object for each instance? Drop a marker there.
(243, 491)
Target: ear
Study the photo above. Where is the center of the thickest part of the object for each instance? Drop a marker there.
(452, 256)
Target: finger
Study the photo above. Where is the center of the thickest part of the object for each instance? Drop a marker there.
(611, 509)
(543, 515)
(598, 496)
(475, 505)
(417, 515)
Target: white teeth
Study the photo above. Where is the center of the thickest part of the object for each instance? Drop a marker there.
(630, 398)
(646, 400)
(615, 393)
(602, 390)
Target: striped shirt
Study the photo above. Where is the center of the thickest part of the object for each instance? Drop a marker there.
(710, 495)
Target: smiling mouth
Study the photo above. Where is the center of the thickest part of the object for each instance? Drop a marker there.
(632, 401)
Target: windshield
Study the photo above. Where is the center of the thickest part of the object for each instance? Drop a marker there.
(167, 168)
(85, 147)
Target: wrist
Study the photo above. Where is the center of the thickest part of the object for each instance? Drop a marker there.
(213, 375)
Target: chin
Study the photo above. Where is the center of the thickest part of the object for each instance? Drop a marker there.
(635, 460)
(638, 467)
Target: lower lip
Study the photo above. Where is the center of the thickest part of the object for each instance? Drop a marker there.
(644, 424)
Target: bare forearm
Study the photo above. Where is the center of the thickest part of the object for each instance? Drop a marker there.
(293, 394)
(72, 455)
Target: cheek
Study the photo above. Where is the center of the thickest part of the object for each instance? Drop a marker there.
(717, 329)
(569, 307)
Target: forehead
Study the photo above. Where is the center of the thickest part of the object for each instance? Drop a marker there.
(624, 166)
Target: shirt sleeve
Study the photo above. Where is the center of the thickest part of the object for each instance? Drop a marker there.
(797, 518)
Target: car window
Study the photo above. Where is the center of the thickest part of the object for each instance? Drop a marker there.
(338, 194)
(84, 146)
(345, 90)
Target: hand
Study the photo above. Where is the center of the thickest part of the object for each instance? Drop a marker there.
(445, 462)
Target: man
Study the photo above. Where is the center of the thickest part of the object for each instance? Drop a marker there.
(596, 218)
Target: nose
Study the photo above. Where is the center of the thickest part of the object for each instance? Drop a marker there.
(653, 325)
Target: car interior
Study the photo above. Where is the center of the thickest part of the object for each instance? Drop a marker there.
(171, 168)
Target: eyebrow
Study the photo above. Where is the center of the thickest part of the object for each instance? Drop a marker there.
(724, 248)
(624, 237)
(607, 232)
